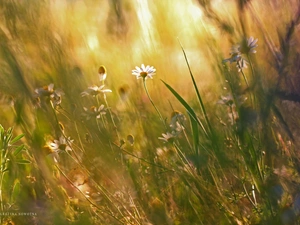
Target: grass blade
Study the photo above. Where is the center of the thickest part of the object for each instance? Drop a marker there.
(196, 89)
(189, 109)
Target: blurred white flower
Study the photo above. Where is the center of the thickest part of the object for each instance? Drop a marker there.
(44, 91)
(130, 139)
(47, 93)
(95, 90)
(102, 73)
(177, 121)
(235, 55)
(247, 46)
(56, 98)
(226, 100)
(241, 64)
(167, 137)
(144, 72)
(62, 144)
(251, 42)
(94, 112)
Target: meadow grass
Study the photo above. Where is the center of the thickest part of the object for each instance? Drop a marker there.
(207, 134)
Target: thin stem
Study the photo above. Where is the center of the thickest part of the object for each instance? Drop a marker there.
(159, 114)
(245, 78)
(89, 200)
(1, 181)
(112, 119)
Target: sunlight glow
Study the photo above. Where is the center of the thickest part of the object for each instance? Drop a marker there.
(92, 42)
(145, 18)
(195, 11)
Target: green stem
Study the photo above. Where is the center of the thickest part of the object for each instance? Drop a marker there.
(245, 78)
(112, 119)
(1, 181)
(159, 114)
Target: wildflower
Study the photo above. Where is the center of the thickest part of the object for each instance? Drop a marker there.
(235, 55)
(176, 127)
(56, 98)
(226, 100)
(241, 64)
(102, 73)
(177, 122)
(44, 91)
(249, 45)
(94, 112)
(167, 137)
(130, 139)
(62, 144)
(144, 72)
(57, 146)
(48, 92)
(95, 90)
(231, 107)
(123, 92)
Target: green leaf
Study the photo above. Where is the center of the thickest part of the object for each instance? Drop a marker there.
(17, 138)
(23, 161)
(1, 129)
(18, 150)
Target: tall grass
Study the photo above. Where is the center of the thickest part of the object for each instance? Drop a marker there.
(211, 139)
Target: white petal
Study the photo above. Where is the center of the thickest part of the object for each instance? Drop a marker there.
(106, 90)
(50, 87)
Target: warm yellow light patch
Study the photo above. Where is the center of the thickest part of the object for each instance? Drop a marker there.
(92, 41)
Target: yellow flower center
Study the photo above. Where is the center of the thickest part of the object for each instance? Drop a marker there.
(143, 74)
(62, 147)
(102, 70)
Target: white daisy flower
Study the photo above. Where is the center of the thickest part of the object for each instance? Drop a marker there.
(144, 72)
(62, 144)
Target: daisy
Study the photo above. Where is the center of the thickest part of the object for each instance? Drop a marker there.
(95, 90)
(94, 112)
(252, 44)
(167, 137)
(177, 122)
(102, 73)
(144, 72)
(62, 144)
(47, 93)
(44, 91)
(249, 45)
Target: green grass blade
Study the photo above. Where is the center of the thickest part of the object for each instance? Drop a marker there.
(189, 109)
(197, 90)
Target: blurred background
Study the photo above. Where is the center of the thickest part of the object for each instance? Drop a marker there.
(54, 48)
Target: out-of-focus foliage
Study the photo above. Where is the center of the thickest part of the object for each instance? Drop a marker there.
(208, 134)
